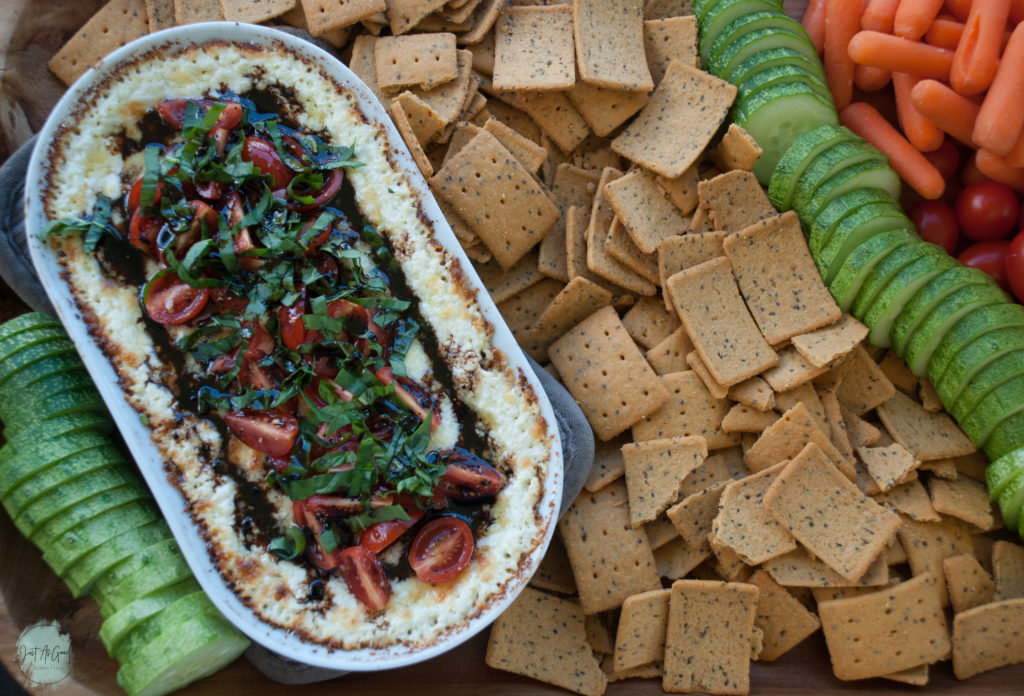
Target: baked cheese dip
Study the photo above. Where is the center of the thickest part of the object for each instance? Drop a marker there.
(365, 466)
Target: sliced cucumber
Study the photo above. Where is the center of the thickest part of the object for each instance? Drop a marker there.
(843, 241)
(820, 228)
(35, 377)
(31, 459)
(852, 272)
(23, 340)
(31, 411)
(41, 431)
(996, 372)
(52, 479)
(1010, 500)
(1007, 436)
(26, 322)
(84, 575)
(770, 58)
(94, 506)
(967, 367)
(121, 623)
(779, 75)
(925, 299)
(845, 153)
(748, 45)
(726, 18)
(1002, 470)
(55, 506)
(186, 608)
(799, 156)
(78, 541)
(993, 318)
(866, 175)
(53, 348)
(997, 406)
(120, 588)
(714, 53)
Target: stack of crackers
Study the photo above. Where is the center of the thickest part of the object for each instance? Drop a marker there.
(761, 473)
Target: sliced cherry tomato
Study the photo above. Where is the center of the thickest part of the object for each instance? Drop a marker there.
(365, 576)
(441, 550)
(170, 300)
(946, 158)
(143, 232)
(228, 301)
(1015, 266)
(173, 111)
(326, 193)
(262, 153)
(333, 505)
(378, 537)
(467, 476)
(135, 195)
(202, 215)
(293, 329)
(987, 211)
(989, 257)
(268, 432)
(317, 241)
(210, 190)
(936, 223)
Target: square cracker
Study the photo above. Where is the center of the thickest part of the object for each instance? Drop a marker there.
(988, 637)
(403, 15)
(416, 60)
(698, 366)
(254, 11)
(482, 19)
(694, 515)
(888, 466)
(608, 463)
(408, 134)
(533, 48)
(522, 310)
(640, 637)
(610, 559)
(655, 470)
(681, 117)
(682, 190)
(324, 15)
(530, 154)
(192, 11)
(689, 410)
(887, 631)
(114, 25)
(676, 560)
(496, 197)
(660, 532)
(863, 385)
(735, 200)
(543, 637)
(610, 44)
(777, 277)
(967, 583)
(928, 435)
(648, 322)
(792, 371)
(619, 245)
(570, 186)
(448, 99)
(910, 499)
(783, 620)
(680, 252)
(823, 346)
(599, 260)
(1008, 570)
(574, 303)
(607, 375)
(707, 639)
(644, 210)
(503, 283)
(668, 39)
(963, 498)
(744, 419)
(753, 392)
(843, 527)
(160, 14)
(670, 354)
(554, 572)
(800, 569)
(557, 117)
(928, 544)
(736, 150)
(602, 108)
(424, 120)
(744, 524)
(718, 322)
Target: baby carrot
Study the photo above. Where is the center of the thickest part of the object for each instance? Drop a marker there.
(922, 133)
(920, 174)
(900, 55)
(814, 22)
(959, 8)
(913, 17)
(869, 79)
(945, 32)
(842, 20)
(1015, 157)
(879, 15)
(977, 54)
(947, 109)
(1001, 117)
(998, 169)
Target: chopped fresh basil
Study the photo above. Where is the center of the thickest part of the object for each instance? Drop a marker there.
(289, 546)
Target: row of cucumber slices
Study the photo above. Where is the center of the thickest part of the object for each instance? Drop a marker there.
(949, 322)
(72, 492)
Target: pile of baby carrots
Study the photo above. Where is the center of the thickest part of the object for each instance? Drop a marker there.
(956, 68)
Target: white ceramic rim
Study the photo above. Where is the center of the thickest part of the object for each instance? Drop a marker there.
(136, 435)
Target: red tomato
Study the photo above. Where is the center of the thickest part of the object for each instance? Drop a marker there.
(135, 195)
(442, 549)
(1015, 266)
(173, 111)
(143, 231)
(317, 241)
(1020, 218)
(936, 223)
(293, 329)
(228, 301)
(987, 211)
(468, 477)
(170, 300)
(203, 214)
(325, 193)
(946, 158)
(989, 257)
(970, 174)
(379, 536)
(365, 577)
(265, 431)
(262, 153)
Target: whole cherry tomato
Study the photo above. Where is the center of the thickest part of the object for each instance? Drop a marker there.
(987, 211)
(989, 257)
(1015, 266)
(946, 159)
(936, 223)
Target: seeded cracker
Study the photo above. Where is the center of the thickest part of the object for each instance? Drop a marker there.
(718, 323)
(792, 371)
(607, 375)
(682, 190)
(677, 253)
(415, 60)
(574, 303)
(534, 48)
(863, 386)
(886, 631)
(447, 99)
(666, 39)
(403, 15)
(598, 637)
(743, 523)
(425, 122)
(554, 572)
(962, 498)
(640, 638)
(610, 559)
(777, 276)
(114, 25)
(325, 15)
(599, 261)
(694, 515)
(522, 310)
(969, 585)
(557, 117)
(682, 116)
(744, 419)
(644, 210)
(405, 129)
(736, 150)
(670, 354)
(496, 197)
(823, 346)
(648, 322)
(928, 543)
(910, 499)
(707, 640)
(799, 569)
(697, 365)
(529, 154)
(660, 532)
(662, 9)
(192, 11)
(988, 637)
(543, 637)
(483, 18)
(928, 435)
(620, 247)
(655, 470)
(609, 44)
(608, 463)
(689, 410)
(783, 620)
(503, 283)
(254, 11)
(1008, 570)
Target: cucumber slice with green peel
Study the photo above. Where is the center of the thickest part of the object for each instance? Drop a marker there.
(116, 593)
(1008, 316)
(770, 58)
(186, 608)
(26, 322)
(848, 237)
(160, 552)
(921, 304)
(799, 156)
(967, 368)
(852, 220)
(775, 116)
(745, 46)
(882, 311)
(854, 270)
(820, 228)
(1006, 437)
(717, 20)
(1002, 470)
(31, 459)
(699, 8)
(121, 623)
(26, 339)
(77, 491)
(999, 405)
(55, 347)
(31, 411)
(75, 543)
(58, 426)
(85, 510)
(865, 175)
(35, 377)
(83, 576)
(104, 457)
(191, 651)
(713, 52)
(1010, 500)
(929, 333)
(985, 379)
(778, 75)
(843, 154)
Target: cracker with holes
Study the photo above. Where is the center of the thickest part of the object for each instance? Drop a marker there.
(530, 154)
(605, 109)
(415, 60)
(928, 435)
(655, 470)
(607, 375)
(448, 98)
(611, 560)
(681, 117)
(640, 638)
(668, 39)
(324, 15)
(690, 409)
(496, 197)
(533, 48)
(254, 11)
(744, 524)
(777, 277)
(783, 620)
(882, 632)
(609, 44)
(718, 322)
(644, 210)
(669, 355)
(707, 639)
(114, 25)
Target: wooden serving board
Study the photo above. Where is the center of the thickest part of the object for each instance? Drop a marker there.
(30, 33)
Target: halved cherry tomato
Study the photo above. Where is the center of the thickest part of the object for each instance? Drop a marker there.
(143, 231)
(317, 241)
(378, 537)
(467, 476)
(334, 505)
(170, 300)
(409, 398)
(261, 344)
(262, 153)
(293, 329)
(202, 215)
(228, 301)
(326, 193)
(173, 111)
(268, 432)
(135, 195)
(441, 550)
(365, 576)
(989, 257)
